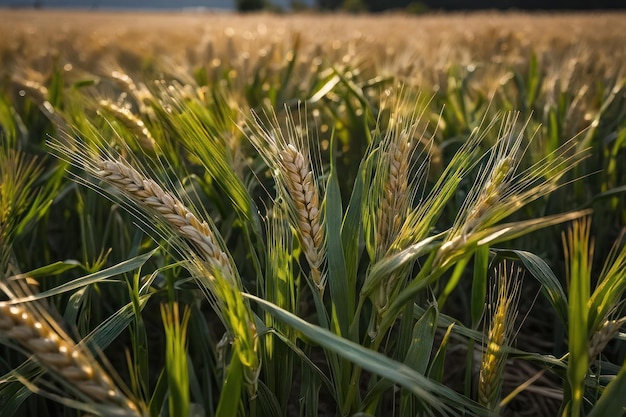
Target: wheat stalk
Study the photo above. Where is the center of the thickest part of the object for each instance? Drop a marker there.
(58, 353)
(301, 187)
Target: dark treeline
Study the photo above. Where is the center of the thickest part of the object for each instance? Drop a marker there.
(382, 5)
(420, 6)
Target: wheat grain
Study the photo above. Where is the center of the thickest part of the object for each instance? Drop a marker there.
(305, 196)
(58, 353)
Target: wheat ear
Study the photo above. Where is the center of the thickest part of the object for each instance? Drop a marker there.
(148, 192)
(603, 335)
(199, 233)
(393, 205)
(301, 187)
(499, 336)
(130, 121)
(395, 199)
(58, 353)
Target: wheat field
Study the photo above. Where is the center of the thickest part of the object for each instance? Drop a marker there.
(214, 214)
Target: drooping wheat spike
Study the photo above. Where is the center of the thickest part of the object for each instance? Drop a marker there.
(499, 336)
(223, 286)
(130, 121)
(126, 83)
(502, 189)
(603, 335)
(301, 186)
(57, 352)
(147, 191)
(38, 93)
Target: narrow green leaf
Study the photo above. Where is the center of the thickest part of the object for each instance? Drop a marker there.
(157, 401)
(118, 269)
(267, 401)
(534, 81)
(107, 331)
(12, 396)
(341, 294)
(176, 358)
(326, 87)
(53, 269)
(479, 284)
(385, 267)
(436, 369)
(422, 341)
(453, 281)
(230, 397)
(435, 394)
(613, 401)
(539, 269)
(351, 232)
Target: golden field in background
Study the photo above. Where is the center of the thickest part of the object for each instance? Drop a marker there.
(424, 42)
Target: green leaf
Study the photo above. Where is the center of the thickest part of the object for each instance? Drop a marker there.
(441, 398)
(176, 359)
(157, 401)
(539, 269)
(53, 269)
(613, 401)
(436, 369)
(341, 294)
(107, 331)
(422, 340)
(268, 403)
(351, 231)
(118, 269)
(230, 397)
(13, 395)
(388, 265)
(534, 81)
(479, 284)
(453, 281)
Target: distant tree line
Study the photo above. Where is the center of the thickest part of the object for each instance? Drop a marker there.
(426, 5)
(382, 5)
